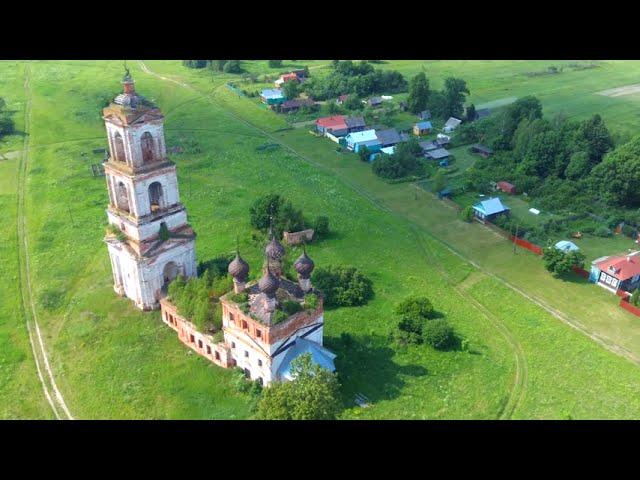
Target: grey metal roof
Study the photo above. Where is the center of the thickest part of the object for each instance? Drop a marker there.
(437, 154)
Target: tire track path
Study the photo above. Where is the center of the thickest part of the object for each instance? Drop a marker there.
(49, 387)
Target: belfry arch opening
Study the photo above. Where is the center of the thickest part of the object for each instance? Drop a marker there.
(118, 145)
(122, 197)
(156, 197)
(148, 148)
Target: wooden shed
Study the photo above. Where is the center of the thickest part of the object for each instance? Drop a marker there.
(507, 187)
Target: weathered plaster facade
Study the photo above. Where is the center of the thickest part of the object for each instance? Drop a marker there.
(143, 198)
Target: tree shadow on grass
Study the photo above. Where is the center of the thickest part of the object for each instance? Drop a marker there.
(365, 366)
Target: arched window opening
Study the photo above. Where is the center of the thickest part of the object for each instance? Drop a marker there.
(148, 150)
(118, 144)
(122, 197)
(156, 200)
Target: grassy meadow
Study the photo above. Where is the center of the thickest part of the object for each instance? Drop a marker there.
(112, 361)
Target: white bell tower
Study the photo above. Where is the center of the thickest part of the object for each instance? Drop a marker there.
(150, 241)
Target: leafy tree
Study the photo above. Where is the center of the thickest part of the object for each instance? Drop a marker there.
(528, 107)
(418, 93)
(595, 139)
(6, 122)
(232, 66)
(353, 102)
(438, 333)
(438, 181)
(455, 91)
(415, 306)
(313, 394)
(558, 262)
(402, 163)
(275, 63)
(579, 166)
(285, 216)
(217, 65)
(291, 89)
(195, 63)
(343, 286)
(467, 214)
(321, 225)
(635, 297)
(471, 113)
(364, 153)
(618, 175)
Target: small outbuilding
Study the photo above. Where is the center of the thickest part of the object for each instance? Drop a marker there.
(482, 150)
(489, 209)
(355, 124)
(438, 154)
(422, 128)
(506, 187)
(451, 125)
(424, 115)
(566, 246)
(374, 101)
(294, 105)
(482, 113)
(388, 137)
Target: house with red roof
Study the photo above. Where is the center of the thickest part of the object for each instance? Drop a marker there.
(287, 77)
(617, 272)
(336, 125)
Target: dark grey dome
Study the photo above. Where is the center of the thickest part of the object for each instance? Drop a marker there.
(304, 265)
(274, 250)
(268, 284)
(238, 268)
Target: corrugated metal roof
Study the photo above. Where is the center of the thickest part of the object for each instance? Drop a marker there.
(272, 93)
(320, 355)
(424, 125)
(364, 136)
(491, 206)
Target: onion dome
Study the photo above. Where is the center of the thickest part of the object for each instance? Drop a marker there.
(304, 265)
(274, 250)
(268, 284)
(238, 268)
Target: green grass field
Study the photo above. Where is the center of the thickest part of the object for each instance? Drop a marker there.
(112, 361)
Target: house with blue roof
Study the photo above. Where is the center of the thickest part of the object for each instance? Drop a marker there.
(422, 128)
(368, 138)
(489, 209)
(272, 96)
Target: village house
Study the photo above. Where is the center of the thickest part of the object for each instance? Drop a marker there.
(489, 209)
(374, 101)
(427, 146)
(451, 125)
(385, 150)
(617, 273)
(443, 139)
(287, 77)
(262, 334)
(290, 106)
(272, 96)
(355, 124)
(424, 115)
(422, 128)
(335, 125)
(482, 150)
(388, 137)
(438, 154)
(366, 138)
(506, 187)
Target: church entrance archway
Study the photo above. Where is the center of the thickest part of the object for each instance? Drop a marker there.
(170, 272)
